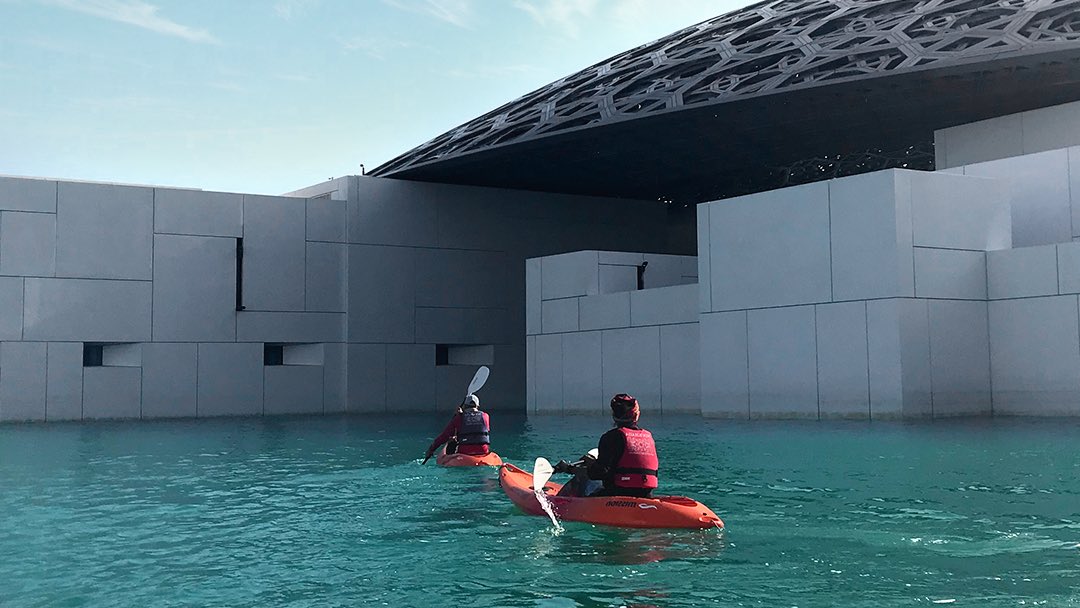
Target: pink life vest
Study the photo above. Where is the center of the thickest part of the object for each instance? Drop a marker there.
(638, 466)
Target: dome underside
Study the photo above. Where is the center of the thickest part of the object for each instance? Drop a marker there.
(778, 49)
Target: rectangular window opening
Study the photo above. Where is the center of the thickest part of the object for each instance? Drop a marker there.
(464, 354)
(273, 354)
(92, 355)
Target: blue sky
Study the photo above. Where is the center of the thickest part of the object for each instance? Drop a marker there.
(270, 96)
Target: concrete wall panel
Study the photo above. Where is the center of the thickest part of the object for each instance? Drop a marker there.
(1074, 188)
(64, 381)
(557, 316)
(548, 370)
(230, 379)
(532, 297)
(981, 141)
(326, 220)
(865, 250)
(605, 311)
(87, 310)
(274, 253)
(631, 364)
(960, 358)
(1023, 272)
(664, 305)
(725, 391)
(771, 248)
(327, 279)
(668, 270)
(112, 392)
(335, 375)
(395, 212)
(958, 211)
(293, 389)
(104, 231)
(704, 258)
(1068, 264)
(950, 273)
(11, 308)
(294, 327)
(1051, 128)
(462, 278)
(530, 373)
(194, 288)
(169, 376)
(22, 381)
(28, 244)
(569, 275)
(843, 360)
(620, 258)
(382, 299)
(367, 378)
(27, 194)
(1038, 188)
(783, 362)
(582, 371)
(885, 365)
(614, 279)
(410, 378)
(464, 326)
(680, 367)
(916, 371)
(199, 213)
(1035, 360)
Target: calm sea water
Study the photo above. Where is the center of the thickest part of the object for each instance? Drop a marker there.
(338, 512)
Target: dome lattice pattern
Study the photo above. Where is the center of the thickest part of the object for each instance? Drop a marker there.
(768, 47)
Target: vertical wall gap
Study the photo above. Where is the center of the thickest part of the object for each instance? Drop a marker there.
(869, 394)
(817, 364)
(746, 328)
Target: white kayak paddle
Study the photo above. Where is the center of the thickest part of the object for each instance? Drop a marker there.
(542, 471)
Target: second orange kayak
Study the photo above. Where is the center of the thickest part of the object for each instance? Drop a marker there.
(490, 459)
(622, 511)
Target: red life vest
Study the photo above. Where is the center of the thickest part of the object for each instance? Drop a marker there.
(638, 466)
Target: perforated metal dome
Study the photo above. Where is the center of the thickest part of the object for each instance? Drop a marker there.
(765, 95)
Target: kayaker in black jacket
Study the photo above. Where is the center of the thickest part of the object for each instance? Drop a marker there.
(626, 461)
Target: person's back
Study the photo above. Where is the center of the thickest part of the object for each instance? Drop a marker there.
(627, 462)
(468, 432)
(474, 432)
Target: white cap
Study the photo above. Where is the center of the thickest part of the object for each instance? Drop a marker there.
(472, 401)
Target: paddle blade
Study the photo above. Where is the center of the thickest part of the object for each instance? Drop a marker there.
(542, 471)
(595, 452)
(479, 379)
(541, 474)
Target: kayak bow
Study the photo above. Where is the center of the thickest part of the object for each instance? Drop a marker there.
(466, 460)
(621, 511)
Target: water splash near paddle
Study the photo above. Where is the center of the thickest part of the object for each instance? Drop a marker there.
(542, 471)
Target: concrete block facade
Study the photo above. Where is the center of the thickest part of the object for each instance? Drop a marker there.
(895, 294)
(359, 283)
(591, 337)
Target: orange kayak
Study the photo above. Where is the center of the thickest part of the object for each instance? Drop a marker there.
(490, 459)
(621, 511)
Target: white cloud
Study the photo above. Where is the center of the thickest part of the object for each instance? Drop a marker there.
(376, 48)
(137, 13)
(455, 12)
(287, 9)
(494, 71)
(564, 15)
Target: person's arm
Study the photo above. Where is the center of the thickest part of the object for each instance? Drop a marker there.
(611, 450)
(447, 433)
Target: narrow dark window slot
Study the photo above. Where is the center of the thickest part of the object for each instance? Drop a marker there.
(240, 273)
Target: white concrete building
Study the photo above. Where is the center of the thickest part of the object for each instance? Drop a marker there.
(885, 295)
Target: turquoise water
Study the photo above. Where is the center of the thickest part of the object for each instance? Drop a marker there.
(338, 512)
